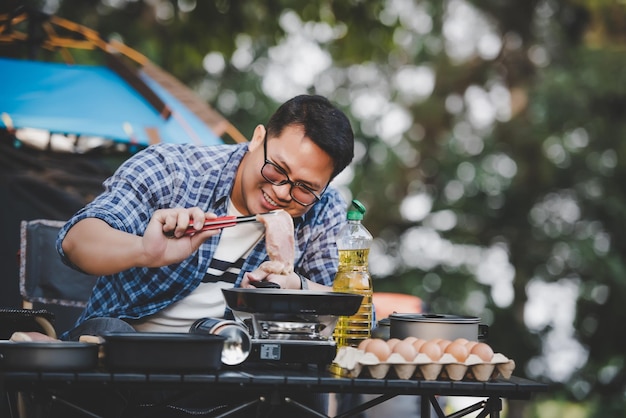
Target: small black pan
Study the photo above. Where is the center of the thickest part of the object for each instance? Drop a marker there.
(162, 352)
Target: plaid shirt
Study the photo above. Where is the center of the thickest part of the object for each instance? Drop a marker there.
(167, 176)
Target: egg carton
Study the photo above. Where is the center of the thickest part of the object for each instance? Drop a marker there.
(355, 362)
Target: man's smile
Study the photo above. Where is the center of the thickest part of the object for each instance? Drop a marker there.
(270, 200)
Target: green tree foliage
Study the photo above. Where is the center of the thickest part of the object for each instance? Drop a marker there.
(491, 179)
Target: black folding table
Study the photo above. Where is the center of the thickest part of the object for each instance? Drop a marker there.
(283, 385)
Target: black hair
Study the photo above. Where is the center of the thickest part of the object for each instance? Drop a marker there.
(327, 126)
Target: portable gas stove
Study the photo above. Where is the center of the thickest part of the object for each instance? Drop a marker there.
(291, 326)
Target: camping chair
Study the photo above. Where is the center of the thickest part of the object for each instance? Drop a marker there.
(53, 294)
(46, 283)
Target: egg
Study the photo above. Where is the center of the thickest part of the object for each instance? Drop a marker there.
(405, 349)
(461, 341)
(392, 342)
(432, 350)
(363, 344)
(411, 339)
(418, 343)
(483, 350)
(470, 345)
(444, 344)
(458, 351)
(379, 348)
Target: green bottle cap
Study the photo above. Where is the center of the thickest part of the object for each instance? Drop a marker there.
(356, 215)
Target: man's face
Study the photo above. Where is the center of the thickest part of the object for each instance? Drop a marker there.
(291, 159)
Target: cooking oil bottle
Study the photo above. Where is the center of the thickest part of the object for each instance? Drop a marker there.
(354, 242)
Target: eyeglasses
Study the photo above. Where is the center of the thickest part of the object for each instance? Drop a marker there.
(275, 174)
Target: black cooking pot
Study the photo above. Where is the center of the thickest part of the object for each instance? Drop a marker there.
(284, 301)
(45, 356)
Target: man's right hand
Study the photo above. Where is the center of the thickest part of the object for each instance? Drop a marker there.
(161, 248)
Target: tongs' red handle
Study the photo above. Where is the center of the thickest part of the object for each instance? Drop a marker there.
(217, 223)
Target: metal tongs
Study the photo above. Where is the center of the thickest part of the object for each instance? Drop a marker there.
(219, 223)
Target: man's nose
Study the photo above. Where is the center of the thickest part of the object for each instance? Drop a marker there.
(283, 192)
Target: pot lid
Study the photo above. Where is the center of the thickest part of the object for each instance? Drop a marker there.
(436, 318)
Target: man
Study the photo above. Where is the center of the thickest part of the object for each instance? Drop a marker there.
(152, 282)
(121, 235)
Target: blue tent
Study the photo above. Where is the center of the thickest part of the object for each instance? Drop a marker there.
(93, 101)
(128, 101)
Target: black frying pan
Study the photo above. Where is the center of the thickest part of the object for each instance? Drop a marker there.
(62, 356)
(292, 301)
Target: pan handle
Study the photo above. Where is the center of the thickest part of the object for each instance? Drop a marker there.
(483, 332)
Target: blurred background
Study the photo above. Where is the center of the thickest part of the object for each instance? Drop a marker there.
(490, 152)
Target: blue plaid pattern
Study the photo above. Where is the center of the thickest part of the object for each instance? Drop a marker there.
(174, 175)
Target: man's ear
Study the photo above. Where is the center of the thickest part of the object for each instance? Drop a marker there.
(257, 138)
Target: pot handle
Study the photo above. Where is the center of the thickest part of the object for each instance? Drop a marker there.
(483, 332)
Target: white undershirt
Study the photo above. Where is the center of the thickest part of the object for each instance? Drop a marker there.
(206, 301)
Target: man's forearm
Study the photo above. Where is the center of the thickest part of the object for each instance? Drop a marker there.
(98, 249)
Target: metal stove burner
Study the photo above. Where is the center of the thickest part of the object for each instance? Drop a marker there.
(284, 330)
(299, 326)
